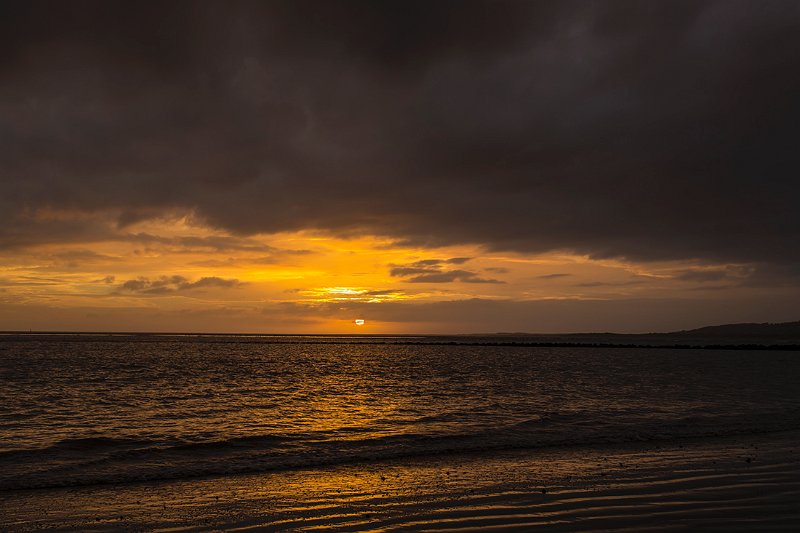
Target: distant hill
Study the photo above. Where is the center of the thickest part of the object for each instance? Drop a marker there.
(745, 330)
(727, 334)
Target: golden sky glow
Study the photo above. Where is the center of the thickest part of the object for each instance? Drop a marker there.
(176, 274)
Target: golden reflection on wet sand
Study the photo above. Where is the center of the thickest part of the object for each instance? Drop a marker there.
(731, 482)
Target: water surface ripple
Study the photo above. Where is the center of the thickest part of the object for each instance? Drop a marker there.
(99, 411)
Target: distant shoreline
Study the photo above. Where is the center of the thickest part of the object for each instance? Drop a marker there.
(430, 340)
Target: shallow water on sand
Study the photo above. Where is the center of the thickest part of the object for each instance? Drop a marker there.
(78, 410)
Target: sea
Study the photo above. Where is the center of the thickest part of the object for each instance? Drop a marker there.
(79, 410)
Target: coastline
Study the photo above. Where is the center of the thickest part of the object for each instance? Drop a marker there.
(727, 483)
(574, 340)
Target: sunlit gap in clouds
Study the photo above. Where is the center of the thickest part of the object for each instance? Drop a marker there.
(175, 272)
(350, 294)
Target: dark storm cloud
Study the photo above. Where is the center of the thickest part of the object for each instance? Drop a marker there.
(425, 266)
(214, 243)
(82, 256)
(74, 260)
(172, 284)
(780, 275)
(701, 275)
(610, 283)
(646, 130)
(449, 276)
(434, 271)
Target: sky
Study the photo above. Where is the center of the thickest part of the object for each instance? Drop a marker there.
(427, 167)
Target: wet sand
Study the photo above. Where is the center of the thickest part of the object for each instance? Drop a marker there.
(732, 483)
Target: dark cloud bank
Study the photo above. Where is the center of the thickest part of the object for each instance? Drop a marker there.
(438, 271)
(647, 130)
(171, 284)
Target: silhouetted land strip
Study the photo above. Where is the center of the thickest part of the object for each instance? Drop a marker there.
(240, 339)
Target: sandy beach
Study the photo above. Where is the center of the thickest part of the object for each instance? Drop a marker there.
(734, 483)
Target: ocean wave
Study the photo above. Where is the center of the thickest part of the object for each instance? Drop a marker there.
(102, 460)
(78, 445)
(254, 441)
